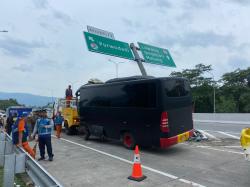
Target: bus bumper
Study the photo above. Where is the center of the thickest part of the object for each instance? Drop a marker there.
(167, 142)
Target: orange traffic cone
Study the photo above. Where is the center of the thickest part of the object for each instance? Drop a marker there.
(137, 171)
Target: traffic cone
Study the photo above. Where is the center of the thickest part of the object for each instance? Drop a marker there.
(137, 171)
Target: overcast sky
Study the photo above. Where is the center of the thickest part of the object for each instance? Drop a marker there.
(45, 50)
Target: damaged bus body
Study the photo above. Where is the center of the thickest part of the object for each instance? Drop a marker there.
(138, 110)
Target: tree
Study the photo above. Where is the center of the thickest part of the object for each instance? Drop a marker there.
(196, 75)
(201, 86)
(232, 94)
(248, 80)
(235, 85)
(225, 104)
(4, 104)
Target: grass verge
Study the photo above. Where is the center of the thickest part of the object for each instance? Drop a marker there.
(19, 178)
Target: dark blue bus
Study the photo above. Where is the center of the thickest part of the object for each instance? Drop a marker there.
(139, 110)
(17, 110)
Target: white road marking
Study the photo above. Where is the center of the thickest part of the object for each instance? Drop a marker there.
(236, 133)
(220, 121)
(189, 182)
(208, 134)
(130, 162)
(230, 135)
(232, 146)
(222, 150)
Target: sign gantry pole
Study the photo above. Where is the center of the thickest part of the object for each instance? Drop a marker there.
(138, 59)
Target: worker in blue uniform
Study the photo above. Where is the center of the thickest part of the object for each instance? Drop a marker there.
(44, 128)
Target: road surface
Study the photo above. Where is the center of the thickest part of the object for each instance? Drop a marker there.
(216, 162)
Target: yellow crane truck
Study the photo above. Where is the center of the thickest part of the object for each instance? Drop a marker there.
(68, 109)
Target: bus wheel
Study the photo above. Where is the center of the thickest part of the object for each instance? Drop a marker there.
(86, 133)
(128, 140)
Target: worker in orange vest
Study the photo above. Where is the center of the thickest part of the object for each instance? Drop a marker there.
(20, 133)
(58, 120)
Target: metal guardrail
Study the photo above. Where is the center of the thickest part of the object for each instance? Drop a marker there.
(23, 162)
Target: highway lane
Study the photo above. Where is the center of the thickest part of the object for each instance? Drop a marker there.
(199, 162)
(81, 164)
(224, 127)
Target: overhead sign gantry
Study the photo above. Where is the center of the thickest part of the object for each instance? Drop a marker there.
(101, 41)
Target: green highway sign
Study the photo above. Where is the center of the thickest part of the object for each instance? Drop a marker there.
(108, 46)
(156, 55)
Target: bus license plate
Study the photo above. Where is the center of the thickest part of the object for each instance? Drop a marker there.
(183, 137)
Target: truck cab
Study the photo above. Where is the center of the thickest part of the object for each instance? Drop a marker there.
(68, 109)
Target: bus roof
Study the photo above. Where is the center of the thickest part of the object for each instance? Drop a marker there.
(127, 79)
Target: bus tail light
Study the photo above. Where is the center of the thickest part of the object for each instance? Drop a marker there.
(164, 122)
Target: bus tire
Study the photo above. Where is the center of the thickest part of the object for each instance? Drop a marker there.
(128, 140)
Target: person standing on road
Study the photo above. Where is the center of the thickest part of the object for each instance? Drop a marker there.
(44, 127)
(20, 134)
(58, 120)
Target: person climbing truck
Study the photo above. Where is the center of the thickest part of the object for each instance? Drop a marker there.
(20, 134)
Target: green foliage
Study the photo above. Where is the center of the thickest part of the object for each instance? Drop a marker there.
(201, 86)
(235, 85)
(225, 104)
(244, 103)
(196, 75)
(4, 104)
(19, 178)
(232, 91)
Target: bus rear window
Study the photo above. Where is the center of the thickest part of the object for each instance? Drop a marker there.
(176, 88)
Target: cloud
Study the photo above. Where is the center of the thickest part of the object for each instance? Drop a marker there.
(19, 48)
(239, 2)
(238, 62)
(192, 39)
(131, 24)
(163, 3)
(205, 39)
(23, 68)
(41, 4)
(160, 4)
(196, 4)
(185, 18)
(61, 16)
(47, 63)
(48, 26)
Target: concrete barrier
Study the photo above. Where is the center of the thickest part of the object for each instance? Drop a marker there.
(229, 117)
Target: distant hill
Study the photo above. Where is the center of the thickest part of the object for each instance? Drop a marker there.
(27, 99)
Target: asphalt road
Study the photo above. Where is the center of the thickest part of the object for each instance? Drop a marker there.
(225, 127)
(206, 163)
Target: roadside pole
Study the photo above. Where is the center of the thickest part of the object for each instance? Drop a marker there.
(138, 59)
